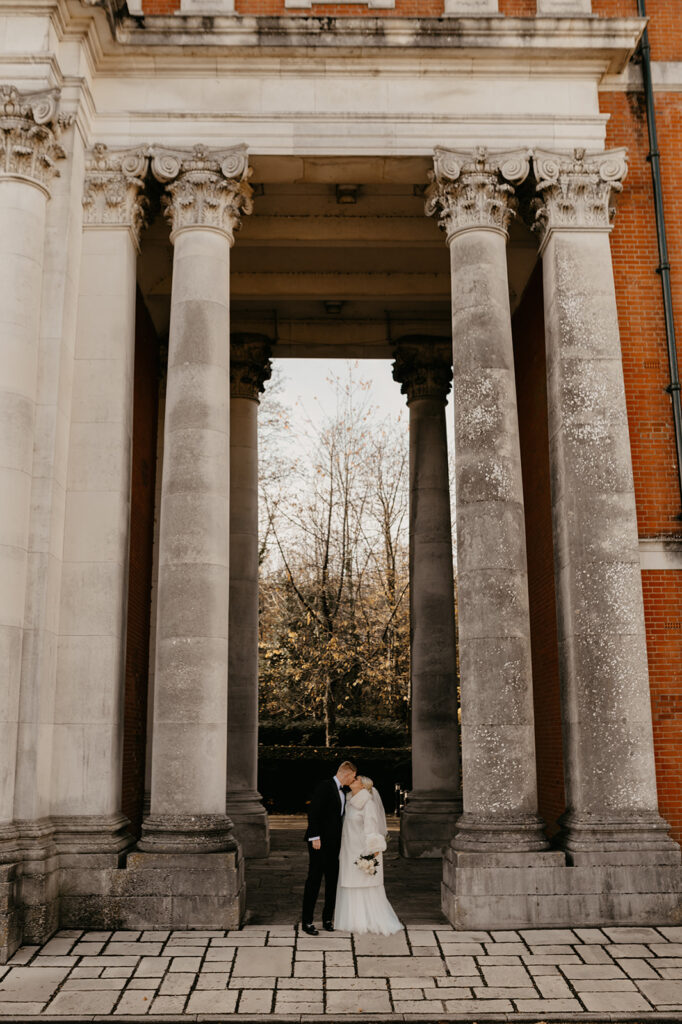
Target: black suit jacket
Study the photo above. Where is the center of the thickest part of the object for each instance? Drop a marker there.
(324, 815)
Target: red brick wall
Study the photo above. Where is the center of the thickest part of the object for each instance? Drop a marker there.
(145, 415)
(529, 362)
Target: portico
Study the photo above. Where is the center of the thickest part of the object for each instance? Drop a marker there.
(262, 232)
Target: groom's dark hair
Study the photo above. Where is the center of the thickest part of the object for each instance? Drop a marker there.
(346, 765)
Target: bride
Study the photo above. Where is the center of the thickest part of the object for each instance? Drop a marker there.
(361, 903)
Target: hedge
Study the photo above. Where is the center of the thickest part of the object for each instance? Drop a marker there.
(287, 775)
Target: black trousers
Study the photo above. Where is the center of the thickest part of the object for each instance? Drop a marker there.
(324, 862)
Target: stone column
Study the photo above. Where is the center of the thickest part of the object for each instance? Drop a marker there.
(612, 814)
(206, 197)
(249, 369)
(88, 738)
(29, 149)
(427, 824)
(473, 199)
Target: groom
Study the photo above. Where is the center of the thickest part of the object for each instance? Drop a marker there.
(323, 836)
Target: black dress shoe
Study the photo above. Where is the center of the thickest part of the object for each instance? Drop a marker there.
(328, 926)
(310, 929)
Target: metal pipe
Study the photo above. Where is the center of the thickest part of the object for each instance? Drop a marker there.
(663, 268)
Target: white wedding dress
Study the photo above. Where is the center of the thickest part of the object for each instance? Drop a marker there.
(361, 902)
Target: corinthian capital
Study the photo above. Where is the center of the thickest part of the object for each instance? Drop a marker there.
(114, 181)
(423, 367)
(205, 187)
(249, 365)
(575, 189)
(29, 131)
(470, 190)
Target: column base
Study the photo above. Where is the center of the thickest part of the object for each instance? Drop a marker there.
(10, 918)
(428, 822)
(604, 839)
(187, 833)
(539, 890)
(250, 823)
(518, 834)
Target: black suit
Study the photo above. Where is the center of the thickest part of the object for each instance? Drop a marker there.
(325, 819)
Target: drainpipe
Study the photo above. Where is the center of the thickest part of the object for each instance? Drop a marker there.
(663, 268)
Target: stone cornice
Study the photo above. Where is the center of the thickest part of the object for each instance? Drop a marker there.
(250, 365)
(205, 187)
(114, 183)
(423, 368)
(475, 190)
(575, 190)
(30, 126)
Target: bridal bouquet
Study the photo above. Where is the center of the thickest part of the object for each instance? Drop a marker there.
(368, 863)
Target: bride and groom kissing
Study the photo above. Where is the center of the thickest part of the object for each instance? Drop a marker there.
(346, 836)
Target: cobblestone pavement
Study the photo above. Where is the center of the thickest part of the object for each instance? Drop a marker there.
(429, 973)
(270, 971)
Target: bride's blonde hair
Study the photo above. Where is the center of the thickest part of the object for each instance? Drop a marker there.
(366, 782)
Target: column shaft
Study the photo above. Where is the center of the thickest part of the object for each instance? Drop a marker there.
(88, 736)
(249, 367)
(434, 803)
(608, 740)
(189, 755)
(29, 149)
(498, 743)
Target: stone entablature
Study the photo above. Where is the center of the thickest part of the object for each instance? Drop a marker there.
(30, 125)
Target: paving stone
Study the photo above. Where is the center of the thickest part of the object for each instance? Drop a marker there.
(211, 981)
(462, 948)
(266, 962)
(638, 969)
(125, 936)
(462, 965)
(382, 945)
(168, 1004)
(507, 977)
(87, 948)
(96, 936)
(210, 933)
(152, 966)
(340, 972)
(447, 935)
(478, 1006)
(185, 964)
(312, 984)
(309, 954)
(421, 938)
(321, 942)
(93, 984)
(135, 1002)
(307, 969)
(338, 959)
(255, 1001)
(281, 942)
(132, 948)
(237, 939)
(505, 948)
(673, 934)
(55, 961)
(86, 972)
(14, 1010)
(149, 984)
(554, 988)
(212, 1002)
(31, 984)
(110, 961)
(397, 983)
(632, 934)
(668, 972)
(116, 972)
(502, 992)
(596, 971)
(416, 993)
(23, 955)
(593, 954)
(223, 954)
(456, 982)
(409, 967)
(589, 935)
(414, 1006)
(296, 1008)
(549, 937)
(357, 1001)
(546, 1006)
(542, 970)
(608, 985)
(666, 961)
(499, 961)
(57, 947)
(662, 993)
(176, 984)
(175, 949)
(154, 936)
(68, 1004)
(508, 936)
(666, 949)
(254, 982)
(215, 967)
(614, 1001)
